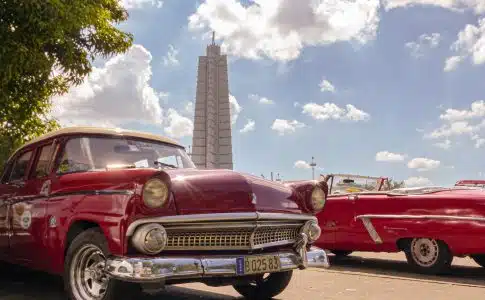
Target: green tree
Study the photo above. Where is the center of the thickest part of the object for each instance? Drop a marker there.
(46, 47)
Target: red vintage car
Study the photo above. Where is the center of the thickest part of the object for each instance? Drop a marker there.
(471, 182)
(430, 225)
(119, 212)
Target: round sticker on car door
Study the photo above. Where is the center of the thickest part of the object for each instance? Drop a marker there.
(26, 219)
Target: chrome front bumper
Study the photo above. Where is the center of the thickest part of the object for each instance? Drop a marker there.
(136, 269)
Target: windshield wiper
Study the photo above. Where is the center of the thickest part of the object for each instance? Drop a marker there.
(160, 164)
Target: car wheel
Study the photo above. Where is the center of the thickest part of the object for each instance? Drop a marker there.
(341, 253)
(479, 259)
(429, 256)
(264, 287)
(84, 277)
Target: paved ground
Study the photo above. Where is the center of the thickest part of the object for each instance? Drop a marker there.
(361, 276)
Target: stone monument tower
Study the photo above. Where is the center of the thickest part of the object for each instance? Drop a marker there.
(212, 139)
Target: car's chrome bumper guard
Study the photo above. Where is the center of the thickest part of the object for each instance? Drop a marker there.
(176, 267)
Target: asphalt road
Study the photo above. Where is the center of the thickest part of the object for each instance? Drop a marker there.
(361, 276)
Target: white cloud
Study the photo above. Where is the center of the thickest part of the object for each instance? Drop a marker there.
(279, 29)
(453, 129)
(478, 6)
(458, 122)
(250, 125)
(134, 4)
(417, 181)
(452, 63)
(178, 126)
(479, 142)
(260, 99)
(387, 156)
(332, 111)
(326, 86)
(189, 109)
(423, 164)
(235, 108)
(296, 104)
(470, 43)
(117, 93)
(301, 164)
(170, 59)
(477, 110)
(265, 100)
(285, 126)
(446, 144)
(424, 41)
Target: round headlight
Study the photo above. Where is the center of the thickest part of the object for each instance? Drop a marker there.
(312, 230)
(318, 198)
(155, 193)
(150, 238)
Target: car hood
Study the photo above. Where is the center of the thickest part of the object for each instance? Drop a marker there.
(215, 191)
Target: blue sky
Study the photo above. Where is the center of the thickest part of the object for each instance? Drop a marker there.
(410, 69)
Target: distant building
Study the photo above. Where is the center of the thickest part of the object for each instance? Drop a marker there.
(212, 139)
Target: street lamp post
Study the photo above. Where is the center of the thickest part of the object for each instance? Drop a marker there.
(313, 164)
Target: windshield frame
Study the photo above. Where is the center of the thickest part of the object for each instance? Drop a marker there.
(65, 139)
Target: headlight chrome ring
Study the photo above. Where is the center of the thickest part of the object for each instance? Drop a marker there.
(150, 238)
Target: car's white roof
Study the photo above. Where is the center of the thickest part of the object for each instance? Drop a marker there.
(100, 130)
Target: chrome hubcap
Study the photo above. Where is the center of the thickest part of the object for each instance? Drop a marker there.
(88, 279)
(424, 252)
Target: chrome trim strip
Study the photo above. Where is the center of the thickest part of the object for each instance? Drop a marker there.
(214, 217)
(230, 225)
(158, 269)
(93, 192)
(366, 219)
(371, 230)
(420, 217)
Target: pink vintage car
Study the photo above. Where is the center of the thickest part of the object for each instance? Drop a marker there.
(430, 225)
(115, 211)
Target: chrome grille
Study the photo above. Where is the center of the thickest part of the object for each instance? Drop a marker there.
(201, 239)
(231, 236)
(264, 236)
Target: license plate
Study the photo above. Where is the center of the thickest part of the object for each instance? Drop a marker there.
(257, 264)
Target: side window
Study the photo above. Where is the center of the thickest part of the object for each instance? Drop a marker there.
(6, 172)
(20, 166)
(76, 157)
(41, 169)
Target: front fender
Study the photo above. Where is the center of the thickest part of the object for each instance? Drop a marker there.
(106, 211)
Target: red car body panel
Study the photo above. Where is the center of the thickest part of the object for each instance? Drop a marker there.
(112, 200)
(455, 216)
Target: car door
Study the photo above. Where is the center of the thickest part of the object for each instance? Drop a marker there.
(342, 221)
(370, 203)
(6, 192)
(28, 208)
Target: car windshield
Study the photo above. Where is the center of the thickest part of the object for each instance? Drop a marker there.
(344, 184)
(100, 153)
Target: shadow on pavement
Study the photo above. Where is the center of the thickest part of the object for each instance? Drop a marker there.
(21, 284)
(357, 265)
